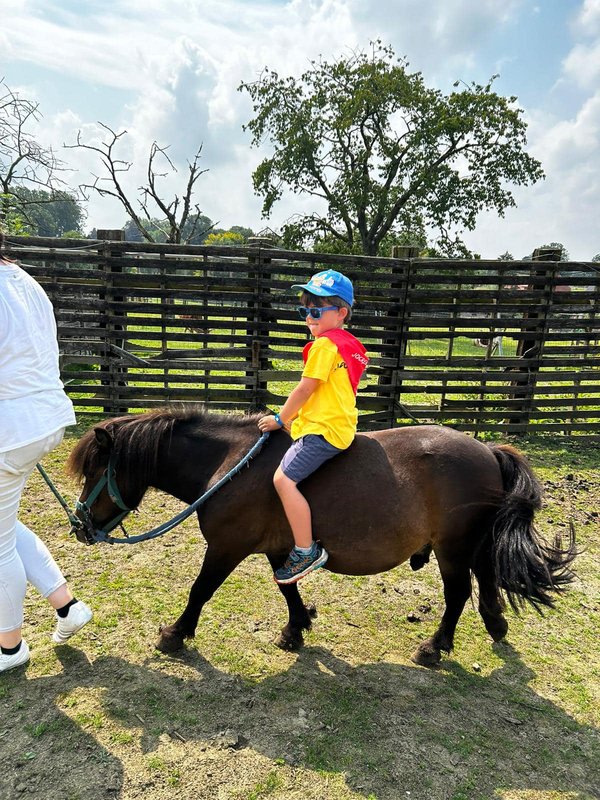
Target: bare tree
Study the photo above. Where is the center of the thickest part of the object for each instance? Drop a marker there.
(24, 162)
(181, 215)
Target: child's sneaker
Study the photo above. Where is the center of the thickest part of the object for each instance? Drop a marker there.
(297, 565)
(16, 659)
(78, 616)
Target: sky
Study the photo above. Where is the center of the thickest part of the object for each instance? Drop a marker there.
(169, 72)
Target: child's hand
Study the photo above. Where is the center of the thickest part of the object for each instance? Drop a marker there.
(268, 423)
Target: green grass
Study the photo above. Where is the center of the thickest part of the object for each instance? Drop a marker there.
(266, 787)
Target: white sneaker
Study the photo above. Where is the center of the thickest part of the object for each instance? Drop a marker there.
(18, 658)
(78, 616)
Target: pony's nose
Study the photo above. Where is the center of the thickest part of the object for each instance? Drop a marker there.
(78, 532)
(83, 532)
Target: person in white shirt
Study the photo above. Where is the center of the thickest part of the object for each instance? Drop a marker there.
(34, 412)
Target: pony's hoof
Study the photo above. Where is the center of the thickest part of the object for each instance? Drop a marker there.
(169, 640)
(426, 656)
(285, 641)
(499, 630)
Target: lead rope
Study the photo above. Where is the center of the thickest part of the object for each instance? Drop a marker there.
(75, 521)
(104, 536)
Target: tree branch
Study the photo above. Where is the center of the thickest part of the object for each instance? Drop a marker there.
(176, 211)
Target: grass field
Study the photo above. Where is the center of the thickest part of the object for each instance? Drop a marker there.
(350, 717)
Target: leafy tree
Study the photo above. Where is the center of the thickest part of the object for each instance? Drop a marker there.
(245, 233)
(385, 153)
(11, 221)
(132, 232)
(506, 256)
(197, 228)
(293, 238)
(156, 229)
(227, 238)
(47, 214)
(596, 258)
(564, 253)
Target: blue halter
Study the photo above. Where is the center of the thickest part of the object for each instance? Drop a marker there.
(84, 508)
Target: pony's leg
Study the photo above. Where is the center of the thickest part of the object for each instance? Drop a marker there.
(457, 590)
(490, 604)
(217, 566)
(300, 616)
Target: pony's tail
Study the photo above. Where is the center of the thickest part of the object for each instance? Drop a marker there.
(527, 568)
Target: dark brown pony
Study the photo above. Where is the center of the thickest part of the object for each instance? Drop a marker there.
(393, 495)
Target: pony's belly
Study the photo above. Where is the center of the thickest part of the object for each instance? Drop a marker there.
(373, 554)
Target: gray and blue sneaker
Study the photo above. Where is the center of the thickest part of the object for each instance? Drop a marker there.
(298, 565)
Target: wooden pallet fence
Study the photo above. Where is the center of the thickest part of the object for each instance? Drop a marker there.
(484, 346)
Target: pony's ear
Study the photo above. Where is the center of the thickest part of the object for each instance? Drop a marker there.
(103, 439)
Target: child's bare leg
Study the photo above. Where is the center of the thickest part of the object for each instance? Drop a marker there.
(296, 508)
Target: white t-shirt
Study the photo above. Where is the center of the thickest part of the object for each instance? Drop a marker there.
(33, 403)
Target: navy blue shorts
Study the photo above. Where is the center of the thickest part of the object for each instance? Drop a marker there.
(306, 455)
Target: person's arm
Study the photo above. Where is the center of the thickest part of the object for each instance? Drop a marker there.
(291, 407)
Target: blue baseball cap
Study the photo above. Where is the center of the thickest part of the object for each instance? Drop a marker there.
(328, 284)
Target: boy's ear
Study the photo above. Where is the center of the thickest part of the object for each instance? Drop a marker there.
(345, 310)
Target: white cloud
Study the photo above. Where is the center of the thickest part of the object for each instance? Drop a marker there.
(571, 145)
(562, 208)
(182, 62)
(587, 21)
(89, 55)
(582, 65)
(440, 38)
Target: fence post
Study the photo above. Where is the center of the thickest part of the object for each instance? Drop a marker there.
(113, 375)
(389, 375)
(530, 350)
(259, 321)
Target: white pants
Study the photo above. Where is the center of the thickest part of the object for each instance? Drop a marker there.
(23, 557)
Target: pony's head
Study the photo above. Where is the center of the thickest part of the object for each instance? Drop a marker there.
(117, 460)
(100, 507)
(114, 461)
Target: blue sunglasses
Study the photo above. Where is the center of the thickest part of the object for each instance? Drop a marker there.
(315, 312)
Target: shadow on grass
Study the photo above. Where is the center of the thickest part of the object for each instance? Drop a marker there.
(390, 729)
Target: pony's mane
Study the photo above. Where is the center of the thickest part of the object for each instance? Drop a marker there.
(138, 437)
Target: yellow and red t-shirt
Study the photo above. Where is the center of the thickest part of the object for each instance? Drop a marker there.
(331, 409)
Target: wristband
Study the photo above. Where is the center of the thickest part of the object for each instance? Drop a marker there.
(279, 421)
